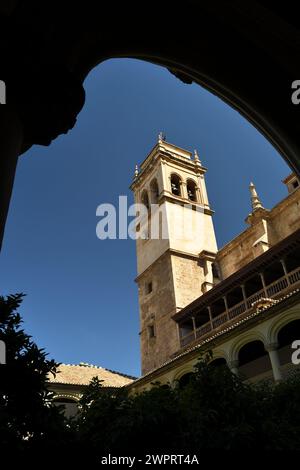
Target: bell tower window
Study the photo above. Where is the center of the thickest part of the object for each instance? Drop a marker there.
(154, 191)
(191, 190)
(145, 199)
(176, 185)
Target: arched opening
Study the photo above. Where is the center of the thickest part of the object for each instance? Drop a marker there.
(254, 360)
(70, 405)
(262, 56)
(185, 379)
(116, 267)
(145, 199)
(286, 336)
(175, 185)
(191, 190)
(154, 191)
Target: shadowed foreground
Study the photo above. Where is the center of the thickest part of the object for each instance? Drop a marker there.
(214, 410)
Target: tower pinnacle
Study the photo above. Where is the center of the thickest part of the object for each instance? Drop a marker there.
(196, 158)
(255, 201)
(161, 137)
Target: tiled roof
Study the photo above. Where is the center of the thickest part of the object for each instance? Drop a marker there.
(82, 374)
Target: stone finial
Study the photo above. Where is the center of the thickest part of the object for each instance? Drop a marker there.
(136, 171)
(196, 158)
(255, 201)
(161, 137)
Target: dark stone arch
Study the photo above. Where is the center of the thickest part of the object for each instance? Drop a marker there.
(253, 360)
(245, 54)
(289, 333)
(70, 405)
(64, 400)
(185, 379)
(81, 37)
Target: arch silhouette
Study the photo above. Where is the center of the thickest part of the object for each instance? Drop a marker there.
(49, 95)
(185, 379)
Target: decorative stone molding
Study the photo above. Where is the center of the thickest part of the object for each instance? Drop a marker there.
(263, 303)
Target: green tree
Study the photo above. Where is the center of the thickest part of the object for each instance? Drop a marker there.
(28, 418)
(215, 410)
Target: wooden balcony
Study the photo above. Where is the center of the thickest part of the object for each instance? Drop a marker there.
(276, 289)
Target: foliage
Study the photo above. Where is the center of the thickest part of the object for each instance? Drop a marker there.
(215, 410)
(28, 418)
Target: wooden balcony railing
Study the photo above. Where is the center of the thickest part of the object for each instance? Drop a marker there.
(273, 290)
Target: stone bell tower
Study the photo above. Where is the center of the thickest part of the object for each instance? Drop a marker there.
(176, 245)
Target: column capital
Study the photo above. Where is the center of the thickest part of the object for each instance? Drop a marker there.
(233, 364)
(271, 347)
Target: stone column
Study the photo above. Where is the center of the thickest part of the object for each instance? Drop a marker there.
(183, 189)
(274, 358)
(203, 190)
(11, 139)
(244, 296)
(234, 367)
(226, 306)
(285, 270)
(198, 195)
(263, 283)
(194, 326)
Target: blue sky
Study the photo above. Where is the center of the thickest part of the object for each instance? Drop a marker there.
(81, 302)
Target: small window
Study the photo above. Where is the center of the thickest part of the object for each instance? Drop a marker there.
(215, 270)
(151, 331)
(148, 287)
(295, 184)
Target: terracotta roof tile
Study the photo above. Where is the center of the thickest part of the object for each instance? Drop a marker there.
(82, 374)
